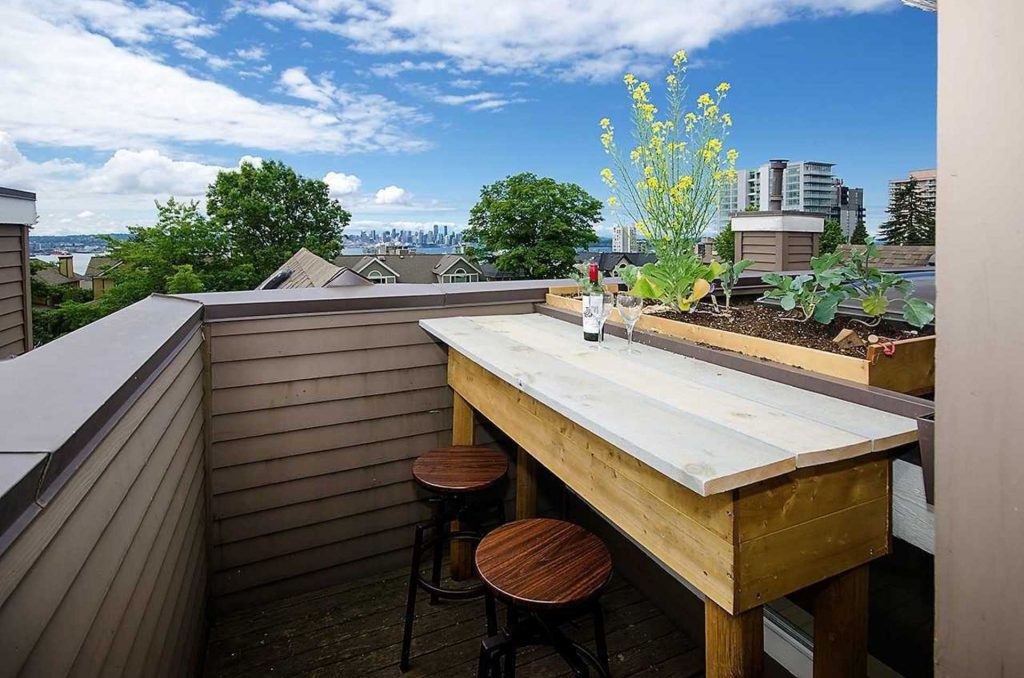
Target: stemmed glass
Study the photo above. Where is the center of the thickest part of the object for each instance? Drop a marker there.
(630, 308)
(607, 304)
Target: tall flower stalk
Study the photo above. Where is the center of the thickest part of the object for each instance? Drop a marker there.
(669, 181)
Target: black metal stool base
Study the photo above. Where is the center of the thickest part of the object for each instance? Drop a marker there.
(446, 510)
(542, 629)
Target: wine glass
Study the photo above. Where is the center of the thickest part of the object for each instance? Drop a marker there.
(630, 308)
(607, 304)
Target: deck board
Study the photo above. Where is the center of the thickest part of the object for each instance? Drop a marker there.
(354, 629)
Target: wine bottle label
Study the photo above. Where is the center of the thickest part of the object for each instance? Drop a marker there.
(592, 313)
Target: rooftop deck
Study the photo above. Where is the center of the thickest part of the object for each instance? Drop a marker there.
(355, 629)
(245, 458)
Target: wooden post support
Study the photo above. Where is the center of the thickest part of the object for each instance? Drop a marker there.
(463, 433)
(733, 645)
(841, 625)
(526, 485)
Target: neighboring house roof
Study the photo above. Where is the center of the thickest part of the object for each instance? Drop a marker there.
(408, 268)
(100, 266)
(52, 276)
(607, 261)
(899, 256)
(491, 272)
(448, 261)
(305, 269)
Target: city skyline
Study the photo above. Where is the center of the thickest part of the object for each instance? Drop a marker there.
(152, 99)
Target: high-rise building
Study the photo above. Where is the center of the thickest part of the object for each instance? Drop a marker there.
(624, 239)
(847, 208)
(807, 186)
(926, 184)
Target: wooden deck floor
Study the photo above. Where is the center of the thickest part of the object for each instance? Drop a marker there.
(354, 629)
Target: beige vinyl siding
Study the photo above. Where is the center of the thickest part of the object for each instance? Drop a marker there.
(15, 308)
(110, 578)
(316, 420)
(761, 248)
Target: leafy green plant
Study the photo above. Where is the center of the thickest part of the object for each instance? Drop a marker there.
(814, 295)
(729, 275)
(680, 282)
(877, 290)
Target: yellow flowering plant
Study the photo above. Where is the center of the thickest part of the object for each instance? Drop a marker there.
(668, 183)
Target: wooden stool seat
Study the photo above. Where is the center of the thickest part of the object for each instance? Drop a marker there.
(543, 564)
(460, 469)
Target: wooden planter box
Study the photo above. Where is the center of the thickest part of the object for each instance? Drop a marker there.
(910, 370)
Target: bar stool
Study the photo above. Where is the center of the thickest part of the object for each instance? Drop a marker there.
(464, 481)
(549, 570)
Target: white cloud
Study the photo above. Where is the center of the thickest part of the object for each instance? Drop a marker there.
(152, 173)
(17, 171)
(254, 53)
(129, 22)
(85, 214)
(296, 83)
(394, 69)
(190, 50)
(85, 91)
(342, 184)
(478, 101)
(465, 83)
(531, 35)
(392, 195)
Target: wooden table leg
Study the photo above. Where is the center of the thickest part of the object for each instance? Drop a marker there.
(526, 485)
(841, 625)
(733, 645)
(463, 433)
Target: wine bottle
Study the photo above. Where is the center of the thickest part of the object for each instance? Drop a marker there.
(593, 298)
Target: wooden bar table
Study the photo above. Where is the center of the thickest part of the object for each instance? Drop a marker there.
(744, 487)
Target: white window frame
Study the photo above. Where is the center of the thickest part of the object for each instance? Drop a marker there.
(459, 276)
(378, 278)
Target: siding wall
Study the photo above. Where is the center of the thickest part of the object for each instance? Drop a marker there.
(315, 422)
(110, 577)
(777, 251)
(15, 324)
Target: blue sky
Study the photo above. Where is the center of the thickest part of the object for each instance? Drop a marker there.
(407, 107)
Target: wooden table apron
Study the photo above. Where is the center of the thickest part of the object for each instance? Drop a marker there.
(741, 548)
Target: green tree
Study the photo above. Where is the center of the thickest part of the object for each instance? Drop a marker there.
(860, 233)
(911, 217)
(184, 281)
(182, 236)
(269, 212)
(725, 243)
(831, 238)
(531, 226)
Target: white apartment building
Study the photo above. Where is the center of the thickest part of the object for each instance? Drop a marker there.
(926, 185)
(624, 239)
(807, 186)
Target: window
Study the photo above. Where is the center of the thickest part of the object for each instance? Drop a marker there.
(460, 275)
(381, 279)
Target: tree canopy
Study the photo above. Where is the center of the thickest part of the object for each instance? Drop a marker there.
(268, 212)
(911, 217)
(531, 226)
(831, 238)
